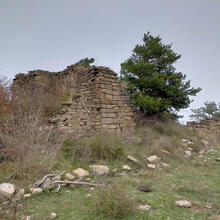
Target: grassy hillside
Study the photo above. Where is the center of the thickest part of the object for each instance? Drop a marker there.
(195, 178)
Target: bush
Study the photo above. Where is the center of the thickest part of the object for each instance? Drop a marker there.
(114, 201)
(98, 147)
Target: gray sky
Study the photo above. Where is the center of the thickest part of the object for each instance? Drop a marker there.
(51, 34)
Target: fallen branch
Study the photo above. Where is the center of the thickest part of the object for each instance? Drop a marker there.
(38, 183)
(77, 182)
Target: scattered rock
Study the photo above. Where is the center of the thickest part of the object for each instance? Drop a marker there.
(218, 159)
(7, 189)
(184, 140)
(188, 153)
(205, 142)
(99, 170)
(27, 195)
(88, 195)
(133, 159)
(165, 151)
(164, 165)
(81, 172)
(37, 191)
(144, 189)
(144, 207)
(69, 176)
(151, 166)
(208, 206)
(126, 167)
(52, 215)
(152, 158)
(26, 218)
(115, 170)
(183, 203)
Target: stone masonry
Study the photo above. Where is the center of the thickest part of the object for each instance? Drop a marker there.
(208, 125)
(96, 99)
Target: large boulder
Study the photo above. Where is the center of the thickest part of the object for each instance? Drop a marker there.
(99, 170)
(7, 189)
(80, 172)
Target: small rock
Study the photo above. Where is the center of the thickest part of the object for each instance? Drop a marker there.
(144, 207)
(205, 142)
(144, 189)
(27, 195)
(184, 140)
(131, 158)
(151, 166)
(81, 172)
(88, 195)
(183, 203)
(37, 191)
(188, 153)
(115, 170)
(126, 167)
(69, 176)
(208, 206)
(52, 215)
(26, 218)
(218, 159)
(92, 188)
(152, 158)
(7, 189)
(165, 151)
(164, 165)
(98, 170)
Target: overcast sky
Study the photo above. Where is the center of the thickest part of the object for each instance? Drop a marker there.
(51, 34)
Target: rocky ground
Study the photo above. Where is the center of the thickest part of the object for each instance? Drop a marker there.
(162, 186)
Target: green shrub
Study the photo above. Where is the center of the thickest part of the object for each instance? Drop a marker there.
(98, 147)
(114, 201)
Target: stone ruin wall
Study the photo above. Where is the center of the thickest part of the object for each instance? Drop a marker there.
(208, 125)
(97, 101)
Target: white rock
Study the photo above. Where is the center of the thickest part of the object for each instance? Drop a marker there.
(152, 158)
(115, 170)
(188, 153)
(81, 172)
(53, 215)
(151, 166)
(7, 189)
(69, 176)
(37, 191)
(184, 203)
(164, 165)
(126, 167)
(184, 140)
(88, 195)
(131, 158)
(205, 142)
(99, 170)
(144, 207)
(27, 195)
(26, 218)
(165, 151)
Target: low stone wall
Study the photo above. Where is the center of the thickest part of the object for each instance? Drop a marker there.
(96, 99)
(208, 125)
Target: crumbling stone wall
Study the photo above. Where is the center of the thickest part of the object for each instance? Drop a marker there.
(208, 125)
(96, 100)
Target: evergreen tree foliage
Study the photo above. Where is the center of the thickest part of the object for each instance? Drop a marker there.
(153, 82)
(209, 110)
